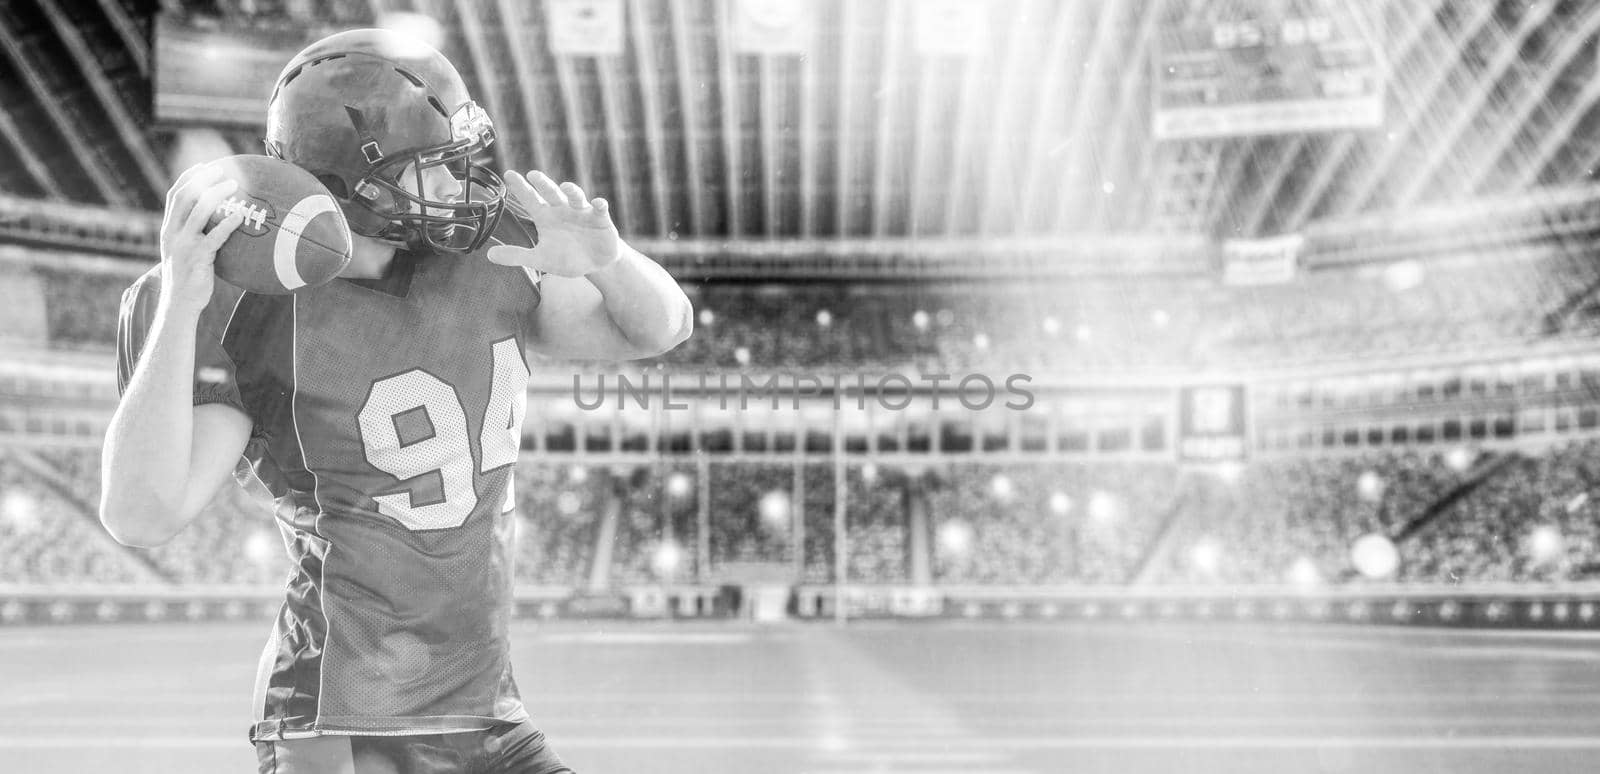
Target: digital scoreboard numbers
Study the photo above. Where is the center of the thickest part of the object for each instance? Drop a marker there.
(1212, 424)
(1267, 68)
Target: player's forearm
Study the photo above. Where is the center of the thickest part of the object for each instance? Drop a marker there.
(644, 301)
(147, 448)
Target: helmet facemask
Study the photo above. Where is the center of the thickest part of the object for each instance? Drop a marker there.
(460, 225)
(377, 117)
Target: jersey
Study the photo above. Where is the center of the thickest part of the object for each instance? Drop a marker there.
(386, 420)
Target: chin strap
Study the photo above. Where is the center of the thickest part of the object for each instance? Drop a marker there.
(369, 144)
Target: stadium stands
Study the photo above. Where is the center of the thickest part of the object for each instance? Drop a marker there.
(1281, 511)
(50, 539)
(1530, 520)
(1047, 524)
(1467, 299)
(233, 541)
(81, 306)
(1289, 517)
(1534, 521)
(1287, 520)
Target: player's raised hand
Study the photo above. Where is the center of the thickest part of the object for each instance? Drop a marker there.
(576, 235)
(188, 250)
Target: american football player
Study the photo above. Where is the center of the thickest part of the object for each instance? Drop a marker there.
(383, 409)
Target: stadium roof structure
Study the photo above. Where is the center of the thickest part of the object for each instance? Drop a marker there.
(1035, 124)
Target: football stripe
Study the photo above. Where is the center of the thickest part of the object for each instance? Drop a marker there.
(286, 247)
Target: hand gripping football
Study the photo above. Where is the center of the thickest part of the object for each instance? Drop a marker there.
(293, 236)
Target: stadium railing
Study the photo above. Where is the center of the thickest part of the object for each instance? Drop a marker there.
(1575, 607)
(1499, 606)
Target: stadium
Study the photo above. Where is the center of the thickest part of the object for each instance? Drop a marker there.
(1075, 385)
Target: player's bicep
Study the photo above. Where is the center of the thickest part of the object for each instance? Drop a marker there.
(221, 433)
(572, 323)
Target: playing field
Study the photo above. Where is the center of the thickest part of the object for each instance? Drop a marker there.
(879, 697)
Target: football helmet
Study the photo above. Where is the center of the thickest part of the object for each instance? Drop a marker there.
(360, 109)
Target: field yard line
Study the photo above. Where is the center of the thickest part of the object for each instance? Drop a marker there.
(910, 756)
(643, 638)
(1377, 644)
(863, 729)
(976, 743)
(232, 700)
(922, 769)
(1113, 628)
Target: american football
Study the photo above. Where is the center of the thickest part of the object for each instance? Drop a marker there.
(293, 235)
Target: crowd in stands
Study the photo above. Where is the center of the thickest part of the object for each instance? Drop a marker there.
(1106, 324)
(555, 548)
(1047, 523)
(748, 526)
(654, 538)
(1285, 520)
(48, 540)
(232, 541)
(81, 307)
(1457, 518)
(1534, 520)
(1279, 512)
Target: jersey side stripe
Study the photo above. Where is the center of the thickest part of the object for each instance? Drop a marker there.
(268, 651)
(316, 496)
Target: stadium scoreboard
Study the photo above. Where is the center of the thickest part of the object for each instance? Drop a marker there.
(1267, 68)
(1212, 426)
